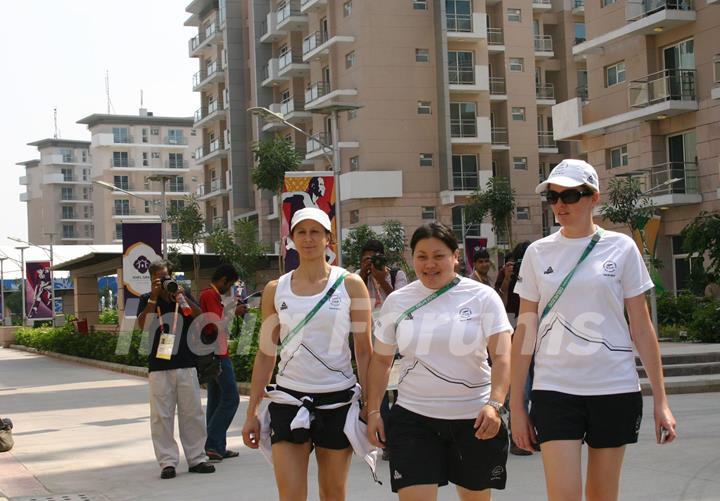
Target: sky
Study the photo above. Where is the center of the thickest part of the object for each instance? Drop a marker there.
(56, 53)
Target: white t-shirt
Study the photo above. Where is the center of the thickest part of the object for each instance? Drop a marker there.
(444, 371)
(583, 345)
(317, 358)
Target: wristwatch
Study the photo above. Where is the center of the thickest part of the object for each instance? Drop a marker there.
(500, 408)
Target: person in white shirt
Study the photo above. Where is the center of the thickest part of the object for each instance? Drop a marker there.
(446, 424)
(317, 391)
(586, 384)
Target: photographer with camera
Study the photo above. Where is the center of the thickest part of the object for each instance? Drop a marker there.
(172, 374)
(378, 277)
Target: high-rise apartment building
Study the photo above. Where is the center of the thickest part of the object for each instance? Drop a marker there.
(651, 109)
(124, 152)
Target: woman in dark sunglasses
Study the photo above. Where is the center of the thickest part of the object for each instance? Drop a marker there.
(574, 288)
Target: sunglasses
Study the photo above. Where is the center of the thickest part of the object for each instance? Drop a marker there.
(571, 196)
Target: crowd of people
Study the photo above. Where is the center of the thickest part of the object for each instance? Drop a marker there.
(550, 337)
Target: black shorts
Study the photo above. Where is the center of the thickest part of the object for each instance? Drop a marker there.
(602, 421)
(326, 426)
(425, 450)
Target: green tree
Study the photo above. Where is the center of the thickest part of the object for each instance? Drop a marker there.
(498, 201)
(191, 231)
(627, 204)
(702, 237)
(392, 238)
(353, 243)
(241, 248)
(274, 158)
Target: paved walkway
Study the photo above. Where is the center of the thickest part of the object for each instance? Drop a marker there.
(86, 430)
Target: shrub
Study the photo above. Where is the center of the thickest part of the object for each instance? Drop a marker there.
(705, 326)
(676, 310)
(244, 357)
(109, 316)
(673, 332)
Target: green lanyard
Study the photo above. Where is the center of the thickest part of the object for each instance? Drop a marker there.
(312, 312)
(425, 301)
(566, 280)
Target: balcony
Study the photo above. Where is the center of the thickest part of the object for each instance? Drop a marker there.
(69, 217)
(715, 92)
(499, 138)
(119, 211)
(315, 148)
(469, 131)
(291, 65)
(290, 18)
(496, 40)
(578, 7)
(125, 163)
(545, 95)
(175, 140)
(469, 79)
(271, 32)
(293, 111)
(58, 178)
(24, 197)
(466, 27)
(312, 5)
(23, 180)
(211, 189)
(359, 185)
(205, 38)
(686, 191)
(214, 149)
(546, 143)
(176, 164)
(317, 44)
(649, 17)
(498, 89)
(542, 5)
(212, 113)
(271, 76)
(203, 79)
(544, 47)
(71, 198)
(320, 95)
(665, 85)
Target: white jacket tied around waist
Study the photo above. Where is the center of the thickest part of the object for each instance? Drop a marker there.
(354, 429)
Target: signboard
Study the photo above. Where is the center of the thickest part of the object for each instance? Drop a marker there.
(141, 247)
(38, 290)
(301, 190)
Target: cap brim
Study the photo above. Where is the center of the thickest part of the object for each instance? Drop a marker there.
(565, 182)
(310, 218)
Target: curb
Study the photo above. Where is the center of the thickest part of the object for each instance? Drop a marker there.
(243, 387)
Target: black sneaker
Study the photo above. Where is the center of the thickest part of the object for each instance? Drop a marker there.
(167, 472)
(202, 468)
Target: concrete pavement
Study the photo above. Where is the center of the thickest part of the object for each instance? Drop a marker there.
(82, 430)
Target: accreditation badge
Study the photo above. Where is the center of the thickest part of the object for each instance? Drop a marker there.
(165, 347)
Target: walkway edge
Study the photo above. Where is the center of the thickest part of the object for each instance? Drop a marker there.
(243, 388)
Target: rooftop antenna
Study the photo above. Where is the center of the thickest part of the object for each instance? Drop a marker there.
(55, 122)
(110, 107)
(141, 98)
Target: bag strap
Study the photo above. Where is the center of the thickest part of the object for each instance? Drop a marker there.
(312, 312)
(563, 285)
(428, 299)
(393, 276)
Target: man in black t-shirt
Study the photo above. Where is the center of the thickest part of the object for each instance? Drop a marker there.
(172, 376)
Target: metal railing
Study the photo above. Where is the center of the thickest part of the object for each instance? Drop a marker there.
(545, 140)
(459, 23)
(69, 179)
(546, 91)
(665, 85)
(199, 152)
(543, 43)
(581, 91)
(215, 145)
(218, 222)
(288, 106)
(206, 73)
(497, 86)
(288, 58)
(122, 139)
(316, 141)
(316, 91)
(176, 164)
(128, 162)
(263, 27)
(499, 135)
(462, 75)
(123, 211)
(176, 187)
(124, 186)
(637, 9)
(314, 40)
(175, 140)
(495, 36)
(578, 4)
(463, 127)
(542, 2)
(290, 9)
(465, 181)
(651, 179)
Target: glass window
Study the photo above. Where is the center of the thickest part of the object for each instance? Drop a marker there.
(424, 108)
(354, 216)
(121, 207)
(461, 68)
(68, 231)
(66, 193)
(580, 36)
(465, 172)
(520, 163)
(518, 114)
(84, 156)
(422, 55)
(354, 163)
(175, 160)
(459, 15)
(460, 226)
(615, 74)
(426, 160)
(428, 213)
(121, 182)
(517, 64)
(67, 175)
(66, 154)
(350, 59)
(463, 121)
(619, 157)
(514, 15)
(120, 159)
(347, 8)
(420, 5)
(605, 3)
(118, 231)
(522, 213)
(121, 135)
(175, 136)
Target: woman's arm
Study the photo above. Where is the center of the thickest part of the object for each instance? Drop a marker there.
(267, 350)
(643, 335)
(378, 375)
(488, 421)
(360, 326)
(523, 348)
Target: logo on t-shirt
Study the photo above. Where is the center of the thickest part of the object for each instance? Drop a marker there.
(548, 271)
(283, 306)
(610, 267)
(465, 314)
(335, 302)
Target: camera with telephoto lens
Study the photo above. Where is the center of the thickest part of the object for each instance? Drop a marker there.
(378, 261)
(169, 285)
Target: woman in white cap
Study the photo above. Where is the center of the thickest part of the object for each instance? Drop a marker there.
(308, 315)
(575, 286)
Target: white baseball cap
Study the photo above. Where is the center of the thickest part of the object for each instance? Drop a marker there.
(317, 215)
(571, 173)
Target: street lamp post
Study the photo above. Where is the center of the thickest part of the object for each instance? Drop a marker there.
(271, 116)
(2, 288)
(22, 248)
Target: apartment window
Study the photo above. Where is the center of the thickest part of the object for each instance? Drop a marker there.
(66, 194)
(145, 160)
(84, 156)
(420, 5)
(155, 154)
(68, 231)
(460, 226)
(350, 59)
(426, 160)
(154, 132)
(86, 174)
(67, 212)
(87, 212)
(175, 136)
(522, 213)
(605, 3)
(619, 157)
(615, 74)
(424, 108)
(121, 182)
(121, 207)
(177, 204)
(460, 67)
(465, 172)
(88, 228)
(67, 175)
(144, 135)
(422, 55)
(428, 213)
(147, 206)
(518, 114)
(580, 36)
(118, 231)
(517, 64)
(347, 8)
(177, 184)
(520, 163)
(86, 193)
(354, 163)
(175, 160)
(354, 216)
(120, 159)
(121, 135)
(514, 15)
(463, 120)
(352, 114)
(193, 132)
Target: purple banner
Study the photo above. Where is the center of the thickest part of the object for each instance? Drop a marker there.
(472, 245)
(38, 290)
(141, 246)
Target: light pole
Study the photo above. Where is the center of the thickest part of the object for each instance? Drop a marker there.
(2, 288)
(163, 216)
(271, 116)
(22, 248)
(52, 267)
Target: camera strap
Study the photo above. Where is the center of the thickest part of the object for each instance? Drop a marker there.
(563, 285)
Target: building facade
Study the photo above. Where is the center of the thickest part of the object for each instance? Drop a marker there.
(652, 109)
